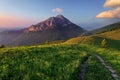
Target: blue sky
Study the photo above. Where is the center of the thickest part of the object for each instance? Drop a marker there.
(28, 12)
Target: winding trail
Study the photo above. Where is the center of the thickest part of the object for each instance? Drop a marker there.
(113, 72)
(83, 70)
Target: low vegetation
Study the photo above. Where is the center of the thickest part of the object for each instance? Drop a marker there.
(41, 63)
(96, 71)
(49, 62)
(112, 57)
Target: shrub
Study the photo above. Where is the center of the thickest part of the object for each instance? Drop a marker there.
(104, 43)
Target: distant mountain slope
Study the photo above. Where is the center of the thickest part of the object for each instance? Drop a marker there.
(7, 37)
(110, 27)
(52, 29)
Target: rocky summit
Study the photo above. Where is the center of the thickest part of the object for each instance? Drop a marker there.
(59, 21)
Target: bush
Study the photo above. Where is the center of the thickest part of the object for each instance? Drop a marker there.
(104, 43)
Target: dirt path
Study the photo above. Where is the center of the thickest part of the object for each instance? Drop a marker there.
(83, 70)
(113, 72)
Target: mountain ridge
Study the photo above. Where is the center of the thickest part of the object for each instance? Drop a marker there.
(50, 23)
(52, 29)
(106, 28)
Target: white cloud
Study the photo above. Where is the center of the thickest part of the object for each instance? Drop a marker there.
(114, 12)
(112, 3)
(58, 10)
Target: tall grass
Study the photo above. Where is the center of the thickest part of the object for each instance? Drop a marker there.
(57, 62)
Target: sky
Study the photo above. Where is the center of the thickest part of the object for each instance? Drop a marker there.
(89, 14)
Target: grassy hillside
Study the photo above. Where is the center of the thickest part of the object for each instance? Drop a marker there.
(112, 38)
(115, 34)
(48, 62)
(74, 40)
(41, 63)
(111, 54)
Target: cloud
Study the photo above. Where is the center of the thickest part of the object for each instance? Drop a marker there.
(112, 3)
(58, 10)
(114, 12)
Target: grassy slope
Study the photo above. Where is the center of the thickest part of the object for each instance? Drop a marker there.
(49, 62)
(112, 57)
(111, 34)
(111, 54)
(112, 37)
(74, 40)
(94, 69)
(41, 63)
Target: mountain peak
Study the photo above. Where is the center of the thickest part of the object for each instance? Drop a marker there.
(60, 16)
(58, 21)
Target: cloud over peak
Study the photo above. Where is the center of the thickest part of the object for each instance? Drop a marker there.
(114, 12)
(57, 10)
